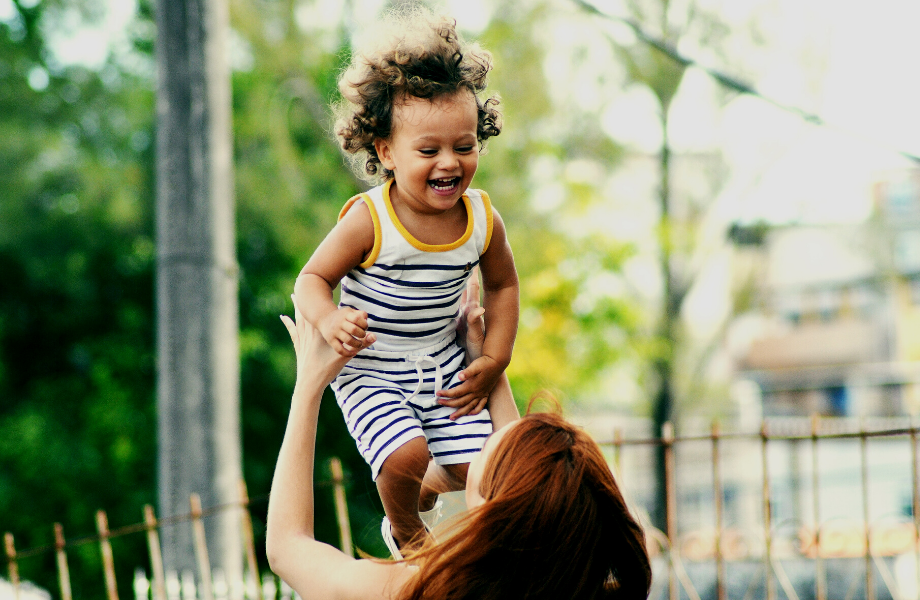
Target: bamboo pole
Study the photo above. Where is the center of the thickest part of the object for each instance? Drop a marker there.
(767, 518)
(201, 549)
(249, 544)
(667, 438)
(11, 564)
(618, 449)
(341, 506)
(108, 561)
(820, 574)
(156, 554)
(61, 556)
(864, 460)
(717, 497)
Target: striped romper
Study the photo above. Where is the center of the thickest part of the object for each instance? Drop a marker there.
(411, 293)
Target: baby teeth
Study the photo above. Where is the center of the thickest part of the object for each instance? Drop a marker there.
(443, 184)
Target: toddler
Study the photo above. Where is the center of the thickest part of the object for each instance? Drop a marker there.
(414, 117)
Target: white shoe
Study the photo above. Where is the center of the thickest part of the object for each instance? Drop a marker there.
(387, 532)
(431, 517)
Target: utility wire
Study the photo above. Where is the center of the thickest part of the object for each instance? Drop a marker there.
(724, 79)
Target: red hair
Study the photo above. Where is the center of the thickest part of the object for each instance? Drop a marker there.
(553, 525)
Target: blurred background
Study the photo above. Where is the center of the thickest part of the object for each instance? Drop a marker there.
(714, 208)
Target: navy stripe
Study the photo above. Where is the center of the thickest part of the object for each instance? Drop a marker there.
(381, 292)
(377, 418)
(350, 394)
(405, 334)
(452, 452)
(388, 442)
(402, 267)
(400, 308)
(425, 409)
(361, 355)
(424, 284)
(454, 423)
(413, 321)
(368, 397)
(370, 371)
(458, 437)
(373, 439)
(390, 374)
(369, 387)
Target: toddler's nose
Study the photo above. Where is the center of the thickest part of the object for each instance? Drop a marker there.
(449, 160)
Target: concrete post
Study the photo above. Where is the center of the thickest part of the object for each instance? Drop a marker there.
(197, 281)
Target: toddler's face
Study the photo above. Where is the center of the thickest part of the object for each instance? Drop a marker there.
(432, 150)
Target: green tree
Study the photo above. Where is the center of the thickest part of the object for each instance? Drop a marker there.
(567, 338)
(76, 333)
(651, 61)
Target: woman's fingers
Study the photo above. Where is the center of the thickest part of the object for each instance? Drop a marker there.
(291, 328)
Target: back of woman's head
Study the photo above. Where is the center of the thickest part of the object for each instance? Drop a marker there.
(553, 525)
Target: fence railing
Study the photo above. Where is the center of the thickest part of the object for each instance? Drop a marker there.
(170, 585)
(687, 565)
(818, 542)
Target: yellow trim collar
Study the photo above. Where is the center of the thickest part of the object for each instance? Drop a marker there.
(375, 251)
(487, 204)
(421, 245)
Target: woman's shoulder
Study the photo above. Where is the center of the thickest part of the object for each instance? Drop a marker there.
(370, 579)
(365, 579)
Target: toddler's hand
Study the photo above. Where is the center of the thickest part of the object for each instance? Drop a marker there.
(471, 396)
(345, 329)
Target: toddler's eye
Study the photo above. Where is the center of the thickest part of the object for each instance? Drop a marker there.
(428, 151)
(465, 149)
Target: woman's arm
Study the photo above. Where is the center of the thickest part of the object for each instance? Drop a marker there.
(502, 305)
(312, 568)
(471, 333)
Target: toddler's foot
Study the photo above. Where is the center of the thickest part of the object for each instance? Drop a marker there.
(431, 517)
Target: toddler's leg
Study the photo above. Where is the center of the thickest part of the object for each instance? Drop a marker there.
(440, 479)
(399, 484)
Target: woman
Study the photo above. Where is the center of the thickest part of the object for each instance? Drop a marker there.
(546, 519)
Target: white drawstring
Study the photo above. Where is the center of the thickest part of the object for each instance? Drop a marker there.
(421, 376)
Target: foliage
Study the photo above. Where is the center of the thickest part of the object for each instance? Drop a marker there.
(76, 328)
(566, 339)
(676, 365)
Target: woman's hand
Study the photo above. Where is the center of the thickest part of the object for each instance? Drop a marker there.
(470, 399)
(471, 328)
(312, 568)
(316, 358)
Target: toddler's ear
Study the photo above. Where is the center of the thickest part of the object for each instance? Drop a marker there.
(384, 153)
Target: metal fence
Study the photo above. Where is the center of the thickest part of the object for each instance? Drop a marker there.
(810, 556)
(161, 584)
(741, 560)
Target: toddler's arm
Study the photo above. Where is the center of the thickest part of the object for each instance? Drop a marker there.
(345, 329)
(502, 305)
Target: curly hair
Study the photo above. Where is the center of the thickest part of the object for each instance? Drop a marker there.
(413, 54)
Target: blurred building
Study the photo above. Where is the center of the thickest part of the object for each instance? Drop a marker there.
(839, 331)
(835, 331)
